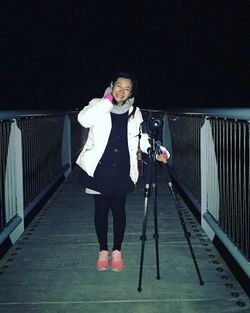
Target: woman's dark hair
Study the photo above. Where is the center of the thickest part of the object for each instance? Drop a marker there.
(128, 76)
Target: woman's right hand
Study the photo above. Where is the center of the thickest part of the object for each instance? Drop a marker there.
(109, 97)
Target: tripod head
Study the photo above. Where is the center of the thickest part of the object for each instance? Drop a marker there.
(152, 127)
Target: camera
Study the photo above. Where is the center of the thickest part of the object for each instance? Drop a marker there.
(152, 125)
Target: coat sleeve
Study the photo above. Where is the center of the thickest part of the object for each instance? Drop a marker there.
(144, 138)
(93, 112)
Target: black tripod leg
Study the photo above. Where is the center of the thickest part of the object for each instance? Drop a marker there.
(143, 236)
(186, 233)
(156, 233)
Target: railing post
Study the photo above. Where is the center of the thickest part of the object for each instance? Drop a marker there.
(209, 193)
(13, 183)
(66, 146)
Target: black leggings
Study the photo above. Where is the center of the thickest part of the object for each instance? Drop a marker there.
(103, 203)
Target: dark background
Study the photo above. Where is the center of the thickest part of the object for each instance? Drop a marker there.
(61, 54)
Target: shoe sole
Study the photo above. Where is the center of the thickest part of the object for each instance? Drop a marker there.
(117, 269)
(102, 269)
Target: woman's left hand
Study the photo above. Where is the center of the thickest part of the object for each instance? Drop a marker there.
(162, 158)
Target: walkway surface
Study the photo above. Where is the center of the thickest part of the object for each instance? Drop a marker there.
(52, 267)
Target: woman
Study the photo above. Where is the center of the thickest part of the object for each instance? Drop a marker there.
(109, 161)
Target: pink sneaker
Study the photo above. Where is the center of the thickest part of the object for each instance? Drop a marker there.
(117, 263)
(103, 261)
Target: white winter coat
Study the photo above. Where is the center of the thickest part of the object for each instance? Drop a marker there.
(96, 116)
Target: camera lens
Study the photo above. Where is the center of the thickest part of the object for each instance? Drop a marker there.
(151, 126)
(156, 123)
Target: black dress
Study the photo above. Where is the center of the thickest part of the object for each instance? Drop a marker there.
(112, 172)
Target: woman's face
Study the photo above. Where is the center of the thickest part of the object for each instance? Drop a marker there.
(121, 89)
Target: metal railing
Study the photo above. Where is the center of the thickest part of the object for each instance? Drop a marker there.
(35, 152)
(210, 161)
(231, 152)
(185, 141)
(41, 152)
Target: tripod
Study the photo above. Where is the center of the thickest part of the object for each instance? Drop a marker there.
(150, 185)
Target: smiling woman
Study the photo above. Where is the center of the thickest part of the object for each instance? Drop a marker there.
(109, 160)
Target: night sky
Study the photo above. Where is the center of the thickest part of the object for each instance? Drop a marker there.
(59, 54)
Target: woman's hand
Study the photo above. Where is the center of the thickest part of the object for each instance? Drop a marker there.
(109, 97)
(162, 158)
